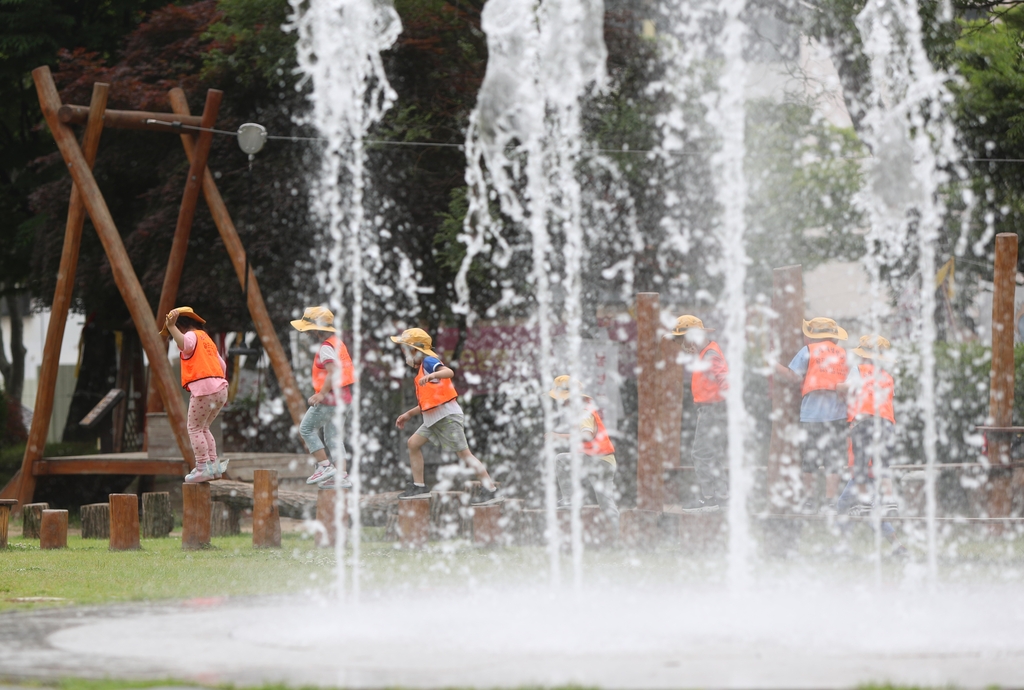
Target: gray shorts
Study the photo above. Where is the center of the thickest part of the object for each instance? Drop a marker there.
(449, 433)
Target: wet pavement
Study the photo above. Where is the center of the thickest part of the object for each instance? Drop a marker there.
(702, 637)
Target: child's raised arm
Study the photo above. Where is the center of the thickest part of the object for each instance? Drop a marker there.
(170, 321)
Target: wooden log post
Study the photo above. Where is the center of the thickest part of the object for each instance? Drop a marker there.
(1000, 405)
(257, 307)
(157, 516)
(670, 407)
(32, 519)
(266, 521)
(448, 513)
(226, 520)
(127, 119)
(650, 483)
(413, 522)
(62, 296)
(195, 516)
(186, 215)
(487, 529)
(6, 504)
(124, 522)
(326, 504)
(783, 475)
(53, 529)
(120, 264)
(95, 520)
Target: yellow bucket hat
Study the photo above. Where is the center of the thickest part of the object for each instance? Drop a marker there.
(182, 311)
(872, 346)
(822, 327)
(417, 339)
(563, 385)
(686, 322)
(315, 319)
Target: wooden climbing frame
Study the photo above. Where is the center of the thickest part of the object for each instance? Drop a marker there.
(87, 198)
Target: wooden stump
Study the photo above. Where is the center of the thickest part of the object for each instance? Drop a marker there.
(196, 515)
(596, 526)
(266, 522)
(32, 518)
(124, 522)
(95, 521)
(532, 523)
(157, 516)
(449, 514)
(6, 504)
(226, 520)
(639, 528)
(487, 525)
(413, 522)
(53, 529)
(326, 504)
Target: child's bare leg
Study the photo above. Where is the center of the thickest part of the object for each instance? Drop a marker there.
(415, 444)
(474, 464)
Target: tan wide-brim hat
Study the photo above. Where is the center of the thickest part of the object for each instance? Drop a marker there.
(873, 347)
(822, 327)
(182, 311)
(687, 322)
(417, 339)
(563, 387)
(315, 319)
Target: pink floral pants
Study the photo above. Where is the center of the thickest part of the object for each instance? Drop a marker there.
(202, 410)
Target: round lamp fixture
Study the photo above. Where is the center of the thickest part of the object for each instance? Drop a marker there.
(252, 137)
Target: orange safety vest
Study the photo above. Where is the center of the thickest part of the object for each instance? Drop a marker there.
(703, 385)
(601, 444)
(204, 362)
(826, 367)
(348, 372)
(864, 403)
(435, 393)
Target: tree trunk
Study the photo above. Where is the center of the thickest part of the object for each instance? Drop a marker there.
(16, 382)
(157, 518)
(95, 521)
(225, 520)
(96, 376)
(31, 518)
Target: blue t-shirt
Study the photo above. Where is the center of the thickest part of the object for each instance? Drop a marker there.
(431, 364)
(817, 406)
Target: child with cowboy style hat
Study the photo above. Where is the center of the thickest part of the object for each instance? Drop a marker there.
(869, 390)
(598, 466)
(707, 385)
(204, 376)
(819, 368)
(328, 386)
(443, 420)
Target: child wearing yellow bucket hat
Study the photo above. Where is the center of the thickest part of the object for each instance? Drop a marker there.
(708, 383)
(598, 466)
(332, 375)
(204, 376)
(443, 420)
(869, 390)
(819, 368)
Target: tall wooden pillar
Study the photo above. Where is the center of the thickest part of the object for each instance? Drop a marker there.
(670, 406)
(787, 330)
(650, 481)
(1000, 404)
(62, 296)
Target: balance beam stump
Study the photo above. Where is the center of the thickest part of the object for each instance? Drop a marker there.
(266, 521)
(53, 529)
(449, 514)
(32, 519)
(226, 520)
(124, 522)
(196, 515)
(487, 525)
(413, 522)
(6, 504)
(639, 528)
(326, 504)
(95, 521)
(157, 517)
(596, 526)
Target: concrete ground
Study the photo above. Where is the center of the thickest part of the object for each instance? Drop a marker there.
(792, 634)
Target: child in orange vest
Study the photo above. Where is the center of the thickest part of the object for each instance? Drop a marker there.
(203, 375)
(869, 390)
(598, 462)
(331, 356)
(819, 367)
(708, 385)
(443, 419)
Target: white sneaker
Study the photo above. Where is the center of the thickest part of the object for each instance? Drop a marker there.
(336, 481)
(218, 468)
(202, 473)
(322, 473)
